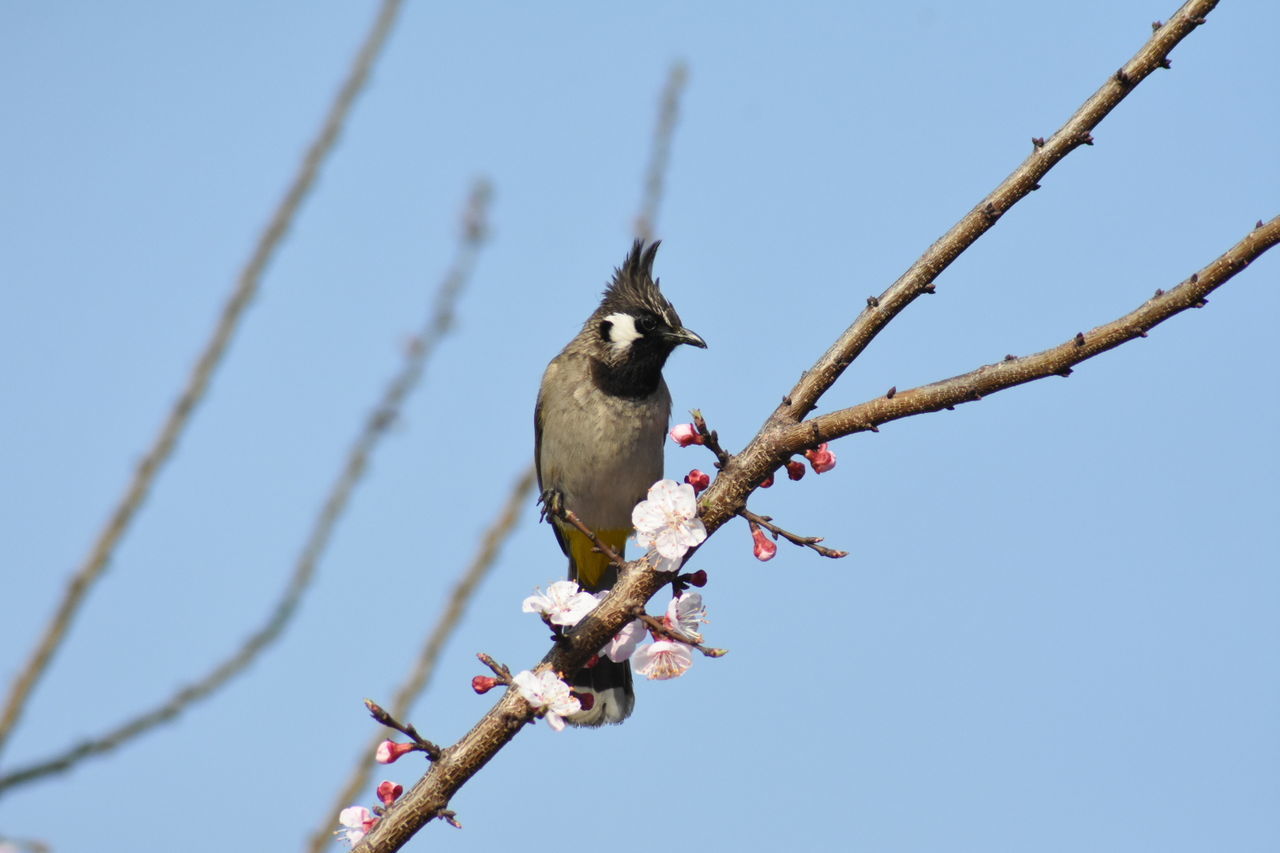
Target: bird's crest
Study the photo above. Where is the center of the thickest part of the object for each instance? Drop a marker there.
(634, 288)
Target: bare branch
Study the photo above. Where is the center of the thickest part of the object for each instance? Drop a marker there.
(379, 419)
(1057, 361)
(164, 443)
(1046, 154)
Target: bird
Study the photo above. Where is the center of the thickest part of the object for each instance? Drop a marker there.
(600, 424)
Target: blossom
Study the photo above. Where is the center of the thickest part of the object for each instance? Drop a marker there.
(763, 548)
(389, 751)
(822, 459)
(686, 434)
(563, 604)
(625, 642)
(698, 479)
(389, 792)
(358, 820)
(685, 613)
(667, 521)
(795, 469)
(662, 659)
(548, 695)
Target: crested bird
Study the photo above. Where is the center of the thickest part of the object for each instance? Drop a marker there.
(599, 429)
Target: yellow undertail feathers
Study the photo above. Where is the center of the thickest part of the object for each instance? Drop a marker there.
(590, 564)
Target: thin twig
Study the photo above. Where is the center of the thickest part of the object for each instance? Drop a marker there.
(380, 714)
(162, 447)
(379, 419)
(409, 691)
(660, 151)
(659, 628)
(806, 541)
(568, 515)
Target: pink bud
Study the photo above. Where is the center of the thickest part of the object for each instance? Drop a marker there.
(767, 482)
(389, 792)
(698, 479)
(685, 435)
(764, 549)
(586, 700)
(822, 459)
(795, 469)
(389, 751)
(698, 578)
(484, 683)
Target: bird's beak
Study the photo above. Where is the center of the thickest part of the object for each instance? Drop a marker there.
(684, 336)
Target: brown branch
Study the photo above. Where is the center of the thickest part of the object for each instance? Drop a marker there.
(727, 496)
(660, 152)
(1056, 361)
(659, 628)
(379, 419)
(806, 541)
(162, 446)
(463, 591)
(1046, 154)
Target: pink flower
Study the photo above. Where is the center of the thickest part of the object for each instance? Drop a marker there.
(624, 644)
(662, 659)
(822, 459)
(563, 604)
(698, 479)
(795, 469)
(357, 820)
(547, 695)
(685, 613)
(686, 434)
(764, 549)
(667, 522)
(389, 751)
(389, 792)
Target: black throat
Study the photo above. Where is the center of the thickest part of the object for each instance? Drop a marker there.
(634, 379)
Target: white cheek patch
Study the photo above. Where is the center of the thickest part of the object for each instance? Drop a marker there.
(622, 330)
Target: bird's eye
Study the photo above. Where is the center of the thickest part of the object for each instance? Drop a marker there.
(646, 324)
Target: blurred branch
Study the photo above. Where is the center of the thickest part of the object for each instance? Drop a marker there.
(660, 151)
(727, 496)
(164, 443)
(420, 677)
(377, 422)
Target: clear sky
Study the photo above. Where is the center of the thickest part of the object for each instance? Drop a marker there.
(1057, 629)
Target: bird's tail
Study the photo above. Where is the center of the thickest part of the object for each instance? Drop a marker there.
(603, 685)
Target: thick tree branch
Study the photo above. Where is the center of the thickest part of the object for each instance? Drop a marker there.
(727, 496)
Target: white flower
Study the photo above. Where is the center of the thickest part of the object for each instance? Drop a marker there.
(357, 820)
(667, 522)
(663, 659)
(548, 695)
(625, 642)
(685, 613)
(564, 603)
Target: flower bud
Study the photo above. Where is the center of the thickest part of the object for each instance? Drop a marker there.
(698, 479)
(685, 435)
(766, 482)
(822, 459)
(795, 469)
(484, 683)
(698, 578)
(389, 792)
(764, 548)
(389, 751)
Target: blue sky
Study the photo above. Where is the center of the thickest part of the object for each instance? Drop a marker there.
(1057, 627)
